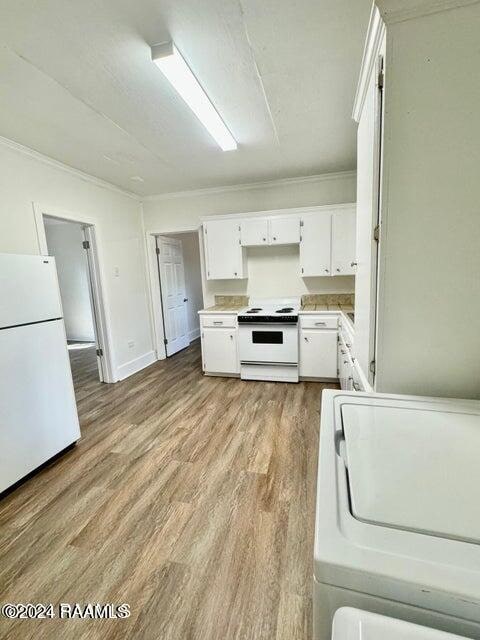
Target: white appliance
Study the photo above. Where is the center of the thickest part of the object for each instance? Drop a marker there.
(397, 528)
(354, 624)
(268, 340)
(38, 415)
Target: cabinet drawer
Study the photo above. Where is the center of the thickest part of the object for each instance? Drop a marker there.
(219, 321)
(319, 322)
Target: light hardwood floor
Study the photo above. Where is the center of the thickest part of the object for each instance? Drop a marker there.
(189, 497)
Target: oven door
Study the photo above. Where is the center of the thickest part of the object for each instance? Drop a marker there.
(268, 343)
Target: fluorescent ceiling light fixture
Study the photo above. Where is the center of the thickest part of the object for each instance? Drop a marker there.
(170, 62)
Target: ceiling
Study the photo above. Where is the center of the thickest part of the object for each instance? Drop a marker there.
(78, 84)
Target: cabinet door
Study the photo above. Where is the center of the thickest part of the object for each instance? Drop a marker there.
(219, 350)
(315, 246)
(343, 243)
(285, 230)
(254, 232)
(318, 353)
(223, 252)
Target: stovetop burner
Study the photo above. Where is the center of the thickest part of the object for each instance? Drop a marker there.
(284, 310)
(254, 310)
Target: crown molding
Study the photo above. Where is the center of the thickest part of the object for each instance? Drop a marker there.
(280, 212)
(251, 186)
(36, 155)
(399, 10)
(247, 186)
(375, 34)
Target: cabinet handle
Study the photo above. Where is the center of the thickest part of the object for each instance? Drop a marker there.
(353, 264)
(320, 324)
(264, 239)
(231, 337)
(348, 345)
(274, 237)
(326, 270)
(218, 322)
(185, 299)
(305, 338)
(235, 273)
(338, 269)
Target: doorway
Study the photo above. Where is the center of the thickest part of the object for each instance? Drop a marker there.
(69, 242)
(180, 281)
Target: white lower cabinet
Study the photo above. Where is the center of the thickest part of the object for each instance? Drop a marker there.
(318, 353)
(220, 350)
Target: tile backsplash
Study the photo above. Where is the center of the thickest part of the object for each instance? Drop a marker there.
(347, 299)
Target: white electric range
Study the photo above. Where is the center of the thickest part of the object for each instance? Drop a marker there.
(268, 340)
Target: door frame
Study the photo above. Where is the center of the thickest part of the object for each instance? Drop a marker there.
(378, 257)
(96, 279)
(154, 280)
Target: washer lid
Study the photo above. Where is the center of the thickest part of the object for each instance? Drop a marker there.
(414, 467)
(354, 624)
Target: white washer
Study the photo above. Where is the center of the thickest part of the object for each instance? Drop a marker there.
(353, 624)
(397, 527)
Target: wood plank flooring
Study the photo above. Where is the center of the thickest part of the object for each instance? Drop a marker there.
(189, 497)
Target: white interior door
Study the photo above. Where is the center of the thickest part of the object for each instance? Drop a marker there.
(172, 287)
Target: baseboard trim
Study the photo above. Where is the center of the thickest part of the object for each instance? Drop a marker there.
(194, 334)
(133, 366)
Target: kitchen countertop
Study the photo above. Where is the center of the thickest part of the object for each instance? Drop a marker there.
(222, 308)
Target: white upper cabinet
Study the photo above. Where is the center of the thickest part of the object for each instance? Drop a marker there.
(315, 246)
(343, 242)
(326, 236)
(285, 230)
(254, 232)
(223, 251)
(270, 230)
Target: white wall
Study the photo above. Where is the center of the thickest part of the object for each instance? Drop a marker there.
(429, 342)
(272, 270)
(25, 179)
(193, 280)
(64, 240)
(275, 272)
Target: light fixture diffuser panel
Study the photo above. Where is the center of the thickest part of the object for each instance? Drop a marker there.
(171, 63)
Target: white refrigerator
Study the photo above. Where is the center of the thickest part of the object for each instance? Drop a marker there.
(38, 414)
